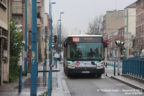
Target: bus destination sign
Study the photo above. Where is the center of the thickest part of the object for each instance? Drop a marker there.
(76, 39)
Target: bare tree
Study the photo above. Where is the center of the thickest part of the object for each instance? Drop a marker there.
(95, 26)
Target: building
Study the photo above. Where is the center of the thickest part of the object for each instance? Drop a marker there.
(46, 25)
(17, 13)
(139, 39)
(40, 29)
(113, 22)
(4, 41)
(130, 27)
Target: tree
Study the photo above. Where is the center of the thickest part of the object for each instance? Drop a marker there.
(95, 26)
(15, 49)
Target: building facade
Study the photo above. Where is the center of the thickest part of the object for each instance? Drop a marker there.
(113, 21)
(46, 34)
(4, 41)
(130, 28)
(40, 29)
(29, 28)
(139, 39)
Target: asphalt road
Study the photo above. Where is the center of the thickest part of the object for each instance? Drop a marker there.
(85, 85)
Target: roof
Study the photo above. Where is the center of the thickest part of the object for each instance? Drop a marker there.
(85, 36)
(133, 5)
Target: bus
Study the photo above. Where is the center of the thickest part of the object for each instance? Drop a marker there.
(84, 54)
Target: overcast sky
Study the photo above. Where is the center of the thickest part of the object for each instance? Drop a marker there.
(78, 13)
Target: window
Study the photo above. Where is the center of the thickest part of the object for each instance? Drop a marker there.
(3, 3)
(17, 0)
(85, 51)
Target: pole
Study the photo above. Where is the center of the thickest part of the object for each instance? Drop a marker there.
(106, 56)
(20, 75)
(127, 49)
(25, 60)
(59, 36)
(114, 68)
(34, 38)
(45, 61)
(118, 65)
(50, 50)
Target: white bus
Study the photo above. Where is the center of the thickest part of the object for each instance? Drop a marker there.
(84, 54)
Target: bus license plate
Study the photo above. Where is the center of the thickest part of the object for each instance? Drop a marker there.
(85, 71)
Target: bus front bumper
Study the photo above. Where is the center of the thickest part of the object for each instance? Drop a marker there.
(86, 71)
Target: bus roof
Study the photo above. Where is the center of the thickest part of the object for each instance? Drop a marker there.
(85, 36)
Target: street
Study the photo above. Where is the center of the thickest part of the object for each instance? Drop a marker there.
(85, 85)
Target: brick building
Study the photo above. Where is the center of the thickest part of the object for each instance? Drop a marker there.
(139, 39)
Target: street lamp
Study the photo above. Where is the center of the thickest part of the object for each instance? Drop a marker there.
(59, 35)
(50, 48)
(119, 44)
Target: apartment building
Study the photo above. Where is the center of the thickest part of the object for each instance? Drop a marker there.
(4, 41)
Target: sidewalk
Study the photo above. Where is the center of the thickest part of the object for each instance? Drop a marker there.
(136, 83)
(59, 86)
(131, 81)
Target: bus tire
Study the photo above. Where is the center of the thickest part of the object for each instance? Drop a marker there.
(66, 72)
(99, 75)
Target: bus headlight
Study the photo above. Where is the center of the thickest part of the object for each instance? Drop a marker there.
(70, 65)
(100, 65)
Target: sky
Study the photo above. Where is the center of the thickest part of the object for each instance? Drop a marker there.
(79, 13)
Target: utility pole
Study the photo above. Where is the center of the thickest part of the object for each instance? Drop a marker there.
(34, 38)
(25, 60)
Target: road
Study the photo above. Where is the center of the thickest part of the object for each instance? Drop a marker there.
(85, 85)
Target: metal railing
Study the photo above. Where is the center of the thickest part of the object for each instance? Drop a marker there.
(133, 67)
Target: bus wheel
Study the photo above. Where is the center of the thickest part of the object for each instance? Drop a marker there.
(66, 72)
(99, 75)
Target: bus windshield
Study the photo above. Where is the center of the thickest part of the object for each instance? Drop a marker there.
(85, 51)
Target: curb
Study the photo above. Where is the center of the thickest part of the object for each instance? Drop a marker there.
(65, 88)
(128, 83)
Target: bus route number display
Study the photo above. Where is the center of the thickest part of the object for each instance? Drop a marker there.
(76, 39)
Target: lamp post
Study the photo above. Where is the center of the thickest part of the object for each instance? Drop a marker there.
(59, 35)
(50, 48)
(119, 44)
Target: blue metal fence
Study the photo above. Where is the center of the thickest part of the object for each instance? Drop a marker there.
(133, 67)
